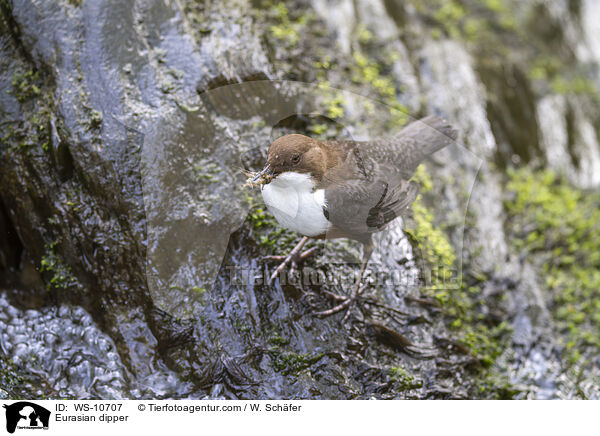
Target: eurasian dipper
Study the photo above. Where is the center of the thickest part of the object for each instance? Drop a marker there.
(344, 188)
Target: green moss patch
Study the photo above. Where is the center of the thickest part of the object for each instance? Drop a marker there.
(32, 132)
(463, 306)
(558, 227)
(26, 85)
(10, 380)
(287, 30)
(60, 273)
(294, 363)
(430, 240)
(403, 380)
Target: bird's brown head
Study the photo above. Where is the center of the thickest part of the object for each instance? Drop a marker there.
(297, 153)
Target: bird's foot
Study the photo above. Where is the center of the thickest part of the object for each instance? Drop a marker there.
(293, 259)
(346, 303)
(297, 259)
(349, 302)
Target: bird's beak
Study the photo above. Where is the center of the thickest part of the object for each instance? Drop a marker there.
(266, 175)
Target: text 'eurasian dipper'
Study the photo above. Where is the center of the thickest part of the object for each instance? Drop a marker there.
(346, 189)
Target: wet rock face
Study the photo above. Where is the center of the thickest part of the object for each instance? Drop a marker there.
(64, 344)
(86, 204)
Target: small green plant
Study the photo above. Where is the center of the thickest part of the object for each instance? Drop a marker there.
(25, 85)
(294, 363)
(96, 118)
(404, 380)
(62, 277)
(287, 30)
(367, 71)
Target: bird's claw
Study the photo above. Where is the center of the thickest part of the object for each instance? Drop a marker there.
(346, 303)
(293, 259)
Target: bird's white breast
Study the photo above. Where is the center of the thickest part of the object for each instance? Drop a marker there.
(291, 198)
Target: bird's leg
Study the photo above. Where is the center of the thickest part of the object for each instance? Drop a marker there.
(358, 288)
(295, 257)
(300, 257)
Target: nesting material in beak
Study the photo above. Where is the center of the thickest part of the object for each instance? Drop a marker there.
(260, 178)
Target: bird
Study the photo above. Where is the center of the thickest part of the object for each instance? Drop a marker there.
(327, 189)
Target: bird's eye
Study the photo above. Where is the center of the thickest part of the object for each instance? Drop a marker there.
(296, 158)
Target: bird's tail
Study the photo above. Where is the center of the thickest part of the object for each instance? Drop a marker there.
(424, 137)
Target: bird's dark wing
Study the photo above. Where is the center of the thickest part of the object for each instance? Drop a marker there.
(362, 205)
(394, 202)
